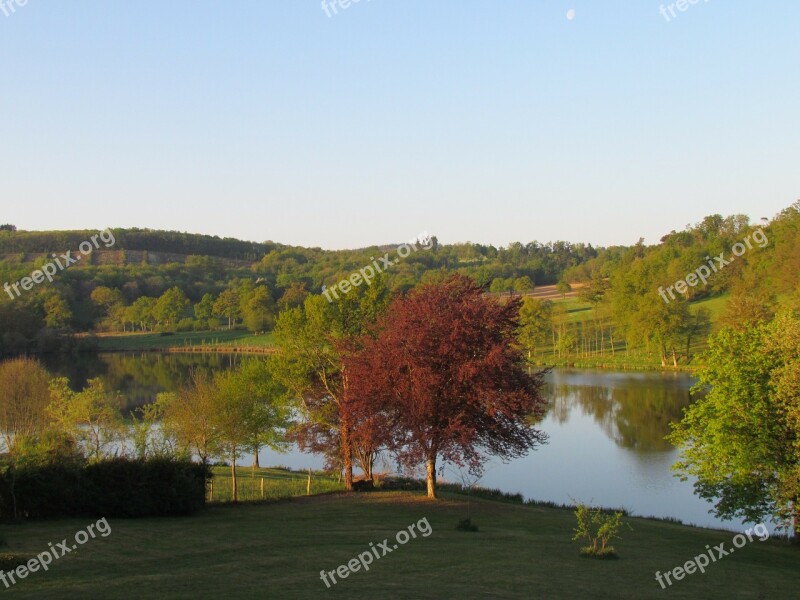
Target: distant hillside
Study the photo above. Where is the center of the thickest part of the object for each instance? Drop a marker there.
(121, 258)
(143, 240)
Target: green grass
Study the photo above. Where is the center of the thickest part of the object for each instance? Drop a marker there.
(277, 550)
(637, 358)
(715, 306)
(242, 340)
(278, 484)
(577, 310)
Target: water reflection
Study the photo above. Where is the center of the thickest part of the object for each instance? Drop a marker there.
(633, 409)
(137, 377)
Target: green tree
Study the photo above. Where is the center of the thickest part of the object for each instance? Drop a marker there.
(258, 310)
(741, 440)
(189, 416)
(107, 301)
(204, 309)
(293, 296)
(523, 284)
(57, 314)
(595, 290)
(251, 410)
(228, 305)
(500, 285)
(24, 396)
(536, 321)
(170, 307)
(91, 416)
(563, 288)
(142, 312)
(148, 437)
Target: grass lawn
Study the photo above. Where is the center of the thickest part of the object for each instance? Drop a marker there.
(277, 483)
(277, 550)
(715, 306)
(193, 339)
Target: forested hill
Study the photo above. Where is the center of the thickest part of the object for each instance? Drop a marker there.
(166, 280)
(518, 266)
(150, 280)
(169, 242)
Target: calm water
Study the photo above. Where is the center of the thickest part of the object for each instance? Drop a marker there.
(606, 433)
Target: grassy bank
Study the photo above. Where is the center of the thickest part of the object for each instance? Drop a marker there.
(193, 341)
(277, 550)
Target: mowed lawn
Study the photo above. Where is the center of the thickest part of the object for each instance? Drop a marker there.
(192, 339)
(277, 551)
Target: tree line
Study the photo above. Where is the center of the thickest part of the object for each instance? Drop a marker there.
(620, 285)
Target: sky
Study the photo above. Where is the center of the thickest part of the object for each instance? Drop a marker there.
(475, 120)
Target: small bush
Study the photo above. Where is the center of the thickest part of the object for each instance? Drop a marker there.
(466, 525)
(599, 529)
(185, 325)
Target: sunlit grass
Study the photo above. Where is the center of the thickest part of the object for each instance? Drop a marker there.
(277, 550)
(254, 485)
(194, 339)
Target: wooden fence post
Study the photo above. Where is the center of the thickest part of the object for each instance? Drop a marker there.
(308, 487)
(262, 488)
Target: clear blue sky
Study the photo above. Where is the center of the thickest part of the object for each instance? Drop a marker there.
(486, 121)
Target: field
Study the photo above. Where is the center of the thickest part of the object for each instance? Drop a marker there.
(277, 550)
(193, 341)
(637, 359)
(277, 483)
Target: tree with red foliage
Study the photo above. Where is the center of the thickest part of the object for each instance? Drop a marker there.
(447, 379)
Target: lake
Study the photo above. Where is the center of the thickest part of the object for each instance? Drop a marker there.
(606, 432)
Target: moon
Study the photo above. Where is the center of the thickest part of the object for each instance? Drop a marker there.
(570, 14)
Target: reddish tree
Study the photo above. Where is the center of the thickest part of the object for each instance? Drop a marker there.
(444, 373)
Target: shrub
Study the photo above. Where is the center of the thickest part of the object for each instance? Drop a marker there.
(598, 528)
(185, 325)
(466, 525)
(112, 488)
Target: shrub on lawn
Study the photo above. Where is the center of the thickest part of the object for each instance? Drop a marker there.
(466, 525)
(598, 528)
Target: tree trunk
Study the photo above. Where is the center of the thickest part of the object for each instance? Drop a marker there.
(796, 538)
(234, 491)
(256, 464)
(347, 456)
(430, 465)
(369, 461)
